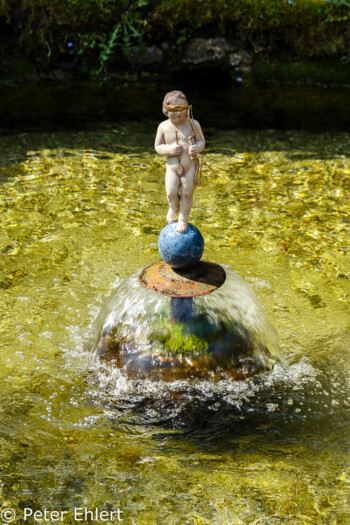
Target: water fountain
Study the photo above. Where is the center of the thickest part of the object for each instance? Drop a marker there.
(180, 317)
(185, 318)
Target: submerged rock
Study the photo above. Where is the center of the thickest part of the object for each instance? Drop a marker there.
(221, 334)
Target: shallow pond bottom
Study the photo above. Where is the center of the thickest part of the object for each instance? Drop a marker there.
(82, 210)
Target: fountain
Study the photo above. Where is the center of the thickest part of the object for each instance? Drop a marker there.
(182, 317)
(198, 322)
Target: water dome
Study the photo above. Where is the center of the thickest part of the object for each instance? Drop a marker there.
(205, 322)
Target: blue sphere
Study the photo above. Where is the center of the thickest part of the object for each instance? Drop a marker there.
(180, 250)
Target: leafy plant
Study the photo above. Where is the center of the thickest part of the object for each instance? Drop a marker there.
(126, 34)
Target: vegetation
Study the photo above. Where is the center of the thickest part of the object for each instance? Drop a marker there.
(102, 32)
(179, 338)
(176, 341)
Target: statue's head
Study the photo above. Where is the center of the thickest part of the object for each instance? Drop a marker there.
(174, 98)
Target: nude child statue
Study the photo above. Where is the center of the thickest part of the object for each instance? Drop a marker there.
(180, 139)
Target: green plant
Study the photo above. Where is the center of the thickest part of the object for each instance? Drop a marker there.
(127, 33)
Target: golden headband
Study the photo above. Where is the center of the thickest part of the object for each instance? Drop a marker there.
(175, 108)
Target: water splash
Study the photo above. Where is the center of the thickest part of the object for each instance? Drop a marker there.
(202, 403)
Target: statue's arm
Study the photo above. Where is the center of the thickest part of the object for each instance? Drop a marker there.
(160, 145)
(199, 137)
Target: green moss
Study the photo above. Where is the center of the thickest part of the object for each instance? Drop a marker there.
(177, 342)
(178, 338)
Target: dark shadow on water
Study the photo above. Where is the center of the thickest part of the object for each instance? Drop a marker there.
(82, 104)
(123, 117)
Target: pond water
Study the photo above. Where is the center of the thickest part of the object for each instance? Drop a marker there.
(82, 209)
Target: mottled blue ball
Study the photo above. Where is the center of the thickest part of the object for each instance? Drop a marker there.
(180, 250)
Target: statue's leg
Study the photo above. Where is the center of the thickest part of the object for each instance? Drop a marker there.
(188, 186)
(172, 185)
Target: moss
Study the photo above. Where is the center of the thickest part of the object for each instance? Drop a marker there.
(176, 339)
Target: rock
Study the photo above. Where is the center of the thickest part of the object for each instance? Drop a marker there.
(235, 59)
(244, 72)
(152, 57)
(241, 57)
(202, 51)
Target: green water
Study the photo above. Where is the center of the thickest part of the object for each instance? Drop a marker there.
(81, 210)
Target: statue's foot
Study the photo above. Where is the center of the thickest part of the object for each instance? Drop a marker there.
(171, 216)
(181, 226)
